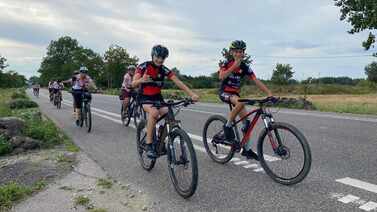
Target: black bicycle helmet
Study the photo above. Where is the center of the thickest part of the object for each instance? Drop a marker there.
(160, 51)
(238, 44)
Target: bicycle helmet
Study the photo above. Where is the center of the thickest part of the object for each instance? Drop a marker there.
(237, 44)
(83, 70)
(160, 51)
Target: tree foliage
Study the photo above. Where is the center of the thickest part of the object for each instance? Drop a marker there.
(371, 72)
(362, 15)
(282, 74)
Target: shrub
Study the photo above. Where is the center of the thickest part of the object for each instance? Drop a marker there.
(22, 103)
(4, 146)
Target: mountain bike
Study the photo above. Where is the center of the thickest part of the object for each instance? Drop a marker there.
(171, 140)
(85, 111)
(283, 150)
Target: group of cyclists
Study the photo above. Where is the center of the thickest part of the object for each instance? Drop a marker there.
(146, 81)
(149, 76)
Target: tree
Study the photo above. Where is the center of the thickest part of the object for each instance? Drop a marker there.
(227, 56)
(3, 63)
(362, 16)
(371, 72)
(11, 79)
(34, 80)
(282, 74)
(66, 55)
(116, 60)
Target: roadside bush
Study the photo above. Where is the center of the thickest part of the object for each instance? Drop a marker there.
(5, 147)
(22, 103)
(19, 95)
(44, 131)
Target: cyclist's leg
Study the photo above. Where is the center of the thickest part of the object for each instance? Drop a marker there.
(77, 101)
(153, 114)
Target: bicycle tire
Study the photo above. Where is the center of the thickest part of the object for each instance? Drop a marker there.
(211, 154)
(304, 144)
(146, 163)
(185, 193)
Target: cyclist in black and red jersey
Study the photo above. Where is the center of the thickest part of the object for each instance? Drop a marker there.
(231, 72)
(151, 75)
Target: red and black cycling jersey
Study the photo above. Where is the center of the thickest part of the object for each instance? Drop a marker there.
(232, 83)
(157, 73)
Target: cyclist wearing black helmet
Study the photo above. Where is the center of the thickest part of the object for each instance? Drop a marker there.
(151, 75)
(230, 73)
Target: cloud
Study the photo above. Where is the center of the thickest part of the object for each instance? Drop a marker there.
(194, 31)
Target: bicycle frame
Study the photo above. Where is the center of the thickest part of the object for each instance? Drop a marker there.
(258, 113)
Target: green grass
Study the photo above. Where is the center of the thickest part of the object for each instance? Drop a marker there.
(5, 147)
(11, 193)
(104, 183)
(82, 200)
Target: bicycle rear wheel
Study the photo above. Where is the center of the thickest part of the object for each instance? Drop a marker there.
(182, 163)
(213, 140)
(284, 153)
(141, 138)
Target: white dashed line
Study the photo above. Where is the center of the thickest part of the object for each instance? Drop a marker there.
(369, 206)
(358, 184)
(242, 162)
(349, 198)
(251, 166)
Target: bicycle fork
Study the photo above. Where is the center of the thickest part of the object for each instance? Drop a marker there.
(268, 120)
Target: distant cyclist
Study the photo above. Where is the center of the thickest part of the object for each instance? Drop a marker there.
(127, 85)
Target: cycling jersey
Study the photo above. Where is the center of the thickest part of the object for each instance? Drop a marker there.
(80, 83)
(157, 73)
(57, 85)
(127, 81)
(232, 83)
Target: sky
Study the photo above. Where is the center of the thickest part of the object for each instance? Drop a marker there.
(306, 34)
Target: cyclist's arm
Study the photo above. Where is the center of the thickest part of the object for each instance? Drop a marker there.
(262, 86)
(138, 79)
(182, 86)
(225, 72)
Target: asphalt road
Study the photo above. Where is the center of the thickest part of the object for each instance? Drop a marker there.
(343, 176)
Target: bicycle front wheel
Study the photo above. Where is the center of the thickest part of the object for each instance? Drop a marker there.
(284, 153)
(139, 115)
(88, 117)
(182, 163)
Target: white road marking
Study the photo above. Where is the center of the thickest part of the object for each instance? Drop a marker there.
(259, 170)
(358, 184)
(242, 162)
(348, 198)
(369, 206)
(251, 166)
(234, 159)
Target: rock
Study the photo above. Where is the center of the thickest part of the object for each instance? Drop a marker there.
(18, 151)
(12, 125)
(144, 208)
(125, 203)
(24, 142)
(131, 196)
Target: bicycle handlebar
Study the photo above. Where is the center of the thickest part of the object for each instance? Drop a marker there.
(269, 99)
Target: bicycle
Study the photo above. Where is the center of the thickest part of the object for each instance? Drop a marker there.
(179, 148)
(134, 110)
(272, 149)
(36, 92)
(85, 111)
(57, 99)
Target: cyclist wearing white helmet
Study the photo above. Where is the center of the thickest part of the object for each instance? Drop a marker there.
(80, 83)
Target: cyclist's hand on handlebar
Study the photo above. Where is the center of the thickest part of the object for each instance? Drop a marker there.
(194, 98)
(272, 99)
